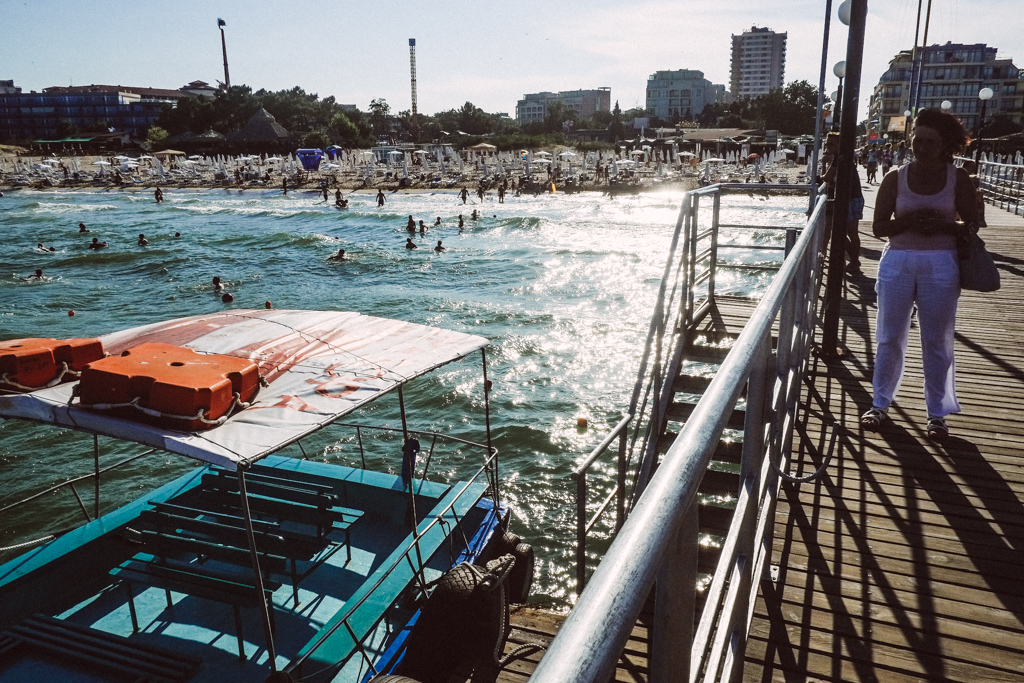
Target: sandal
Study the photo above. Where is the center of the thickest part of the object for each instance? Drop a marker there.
(937, 429)
(873, 419)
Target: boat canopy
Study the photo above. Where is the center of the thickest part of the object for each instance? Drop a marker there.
(319, 366)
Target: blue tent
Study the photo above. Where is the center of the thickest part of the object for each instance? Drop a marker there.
(310, 158)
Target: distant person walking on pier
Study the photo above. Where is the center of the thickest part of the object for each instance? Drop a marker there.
(916, 209)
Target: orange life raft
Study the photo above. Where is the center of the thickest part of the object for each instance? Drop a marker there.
(30, 364)
(169, 385)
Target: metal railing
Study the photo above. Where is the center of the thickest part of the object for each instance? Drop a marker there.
(656, 545)
(1003, 185)
(685, 297)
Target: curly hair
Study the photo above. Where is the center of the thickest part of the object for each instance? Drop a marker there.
(954, 137)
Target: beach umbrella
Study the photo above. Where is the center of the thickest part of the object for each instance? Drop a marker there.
(405, 168)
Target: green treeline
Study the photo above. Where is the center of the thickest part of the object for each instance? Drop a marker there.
(321, 122)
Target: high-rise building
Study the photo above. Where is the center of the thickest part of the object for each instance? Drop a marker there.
(534, 106)
(758, 62)
(682, 93)
(953, 72)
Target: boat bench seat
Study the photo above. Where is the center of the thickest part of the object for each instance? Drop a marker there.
(193, 579)
(68, 643)
(216, 494)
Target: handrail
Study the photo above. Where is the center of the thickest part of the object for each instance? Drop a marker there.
(1003, 185)
(658, 539)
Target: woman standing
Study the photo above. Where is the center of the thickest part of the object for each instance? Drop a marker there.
(917, 209)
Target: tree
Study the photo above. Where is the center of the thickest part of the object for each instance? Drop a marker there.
(156, 135)
(380, 113)
(616, 130)
(66, 129)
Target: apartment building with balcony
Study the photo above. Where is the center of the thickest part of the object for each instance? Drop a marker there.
(758, 62)
(680, 94)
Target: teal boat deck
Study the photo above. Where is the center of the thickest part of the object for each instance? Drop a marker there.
(905, 560)
(199, 620)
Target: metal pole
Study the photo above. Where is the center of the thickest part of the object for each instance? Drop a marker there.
(981, 124)
(674, 604)
(924, 56)
(268, 631)
(844, 178)
(581, 532)
(821, 105)
(913, 61)
(487, 422)
(96, 465)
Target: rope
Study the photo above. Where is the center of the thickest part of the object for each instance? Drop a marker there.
(26, 544)
(200, 416)
(64, 370)
(519, 652)
(836, 426)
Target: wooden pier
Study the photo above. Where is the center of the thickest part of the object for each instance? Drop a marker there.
(904, 560)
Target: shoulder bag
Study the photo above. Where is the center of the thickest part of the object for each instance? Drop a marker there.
(978, 272)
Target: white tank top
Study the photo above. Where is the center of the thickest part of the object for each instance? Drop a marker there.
(943, 201)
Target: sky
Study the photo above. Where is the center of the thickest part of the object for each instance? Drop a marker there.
(487, 53)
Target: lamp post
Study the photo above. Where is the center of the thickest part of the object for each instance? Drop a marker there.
(985, 94)
(851, 70)
(224, 47)
(906, 124)
(840, 72)
(946, 105)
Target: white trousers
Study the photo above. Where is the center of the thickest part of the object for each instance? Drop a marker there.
(931, 279)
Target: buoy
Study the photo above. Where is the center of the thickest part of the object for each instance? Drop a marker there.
(581, 422)
(29, 364)
(169, 385)
(227, 298)
(70, 313)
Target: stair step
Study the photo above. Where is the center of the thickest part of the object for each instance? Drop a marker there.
(680, 412)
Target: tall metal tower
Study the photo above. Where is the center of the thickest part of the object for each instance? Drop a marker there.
(224, 46)
(412, 67)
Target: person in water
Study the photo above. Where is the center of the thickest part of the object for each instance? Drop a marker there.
(409, 244)
(217, 286)
(423, 228)
(438, 221)
(82, 228)
(327, 195)
(38, 275)
(40, 247)
(142, 240)
(439, 248)
(381, 198)
(474, 215)
(159, 196)
(462, 222)
(464, 194)
(96, 244)
(411, 225)
(340, 256)
(227, 298)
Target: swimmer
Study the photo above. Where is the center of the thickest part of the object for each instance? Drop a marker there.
(217, 286)
(423, 228)
(462, 222)
(464, 195)
(227, 298)
(340, 256)
(438, 221)
(96, 244)
(409, 244)
(177, 234)
(439, 248)
(474, 215)
(38, 275)
(142, 240)
(82, 228)
(411, 225)
(381, 198)
(268, 305)
(40, 247)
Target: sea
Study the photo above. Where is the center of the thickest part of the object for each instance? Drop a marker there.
(563, 286)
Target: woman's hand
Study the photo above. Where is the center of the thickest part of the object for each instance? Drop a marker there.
(927, 222)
